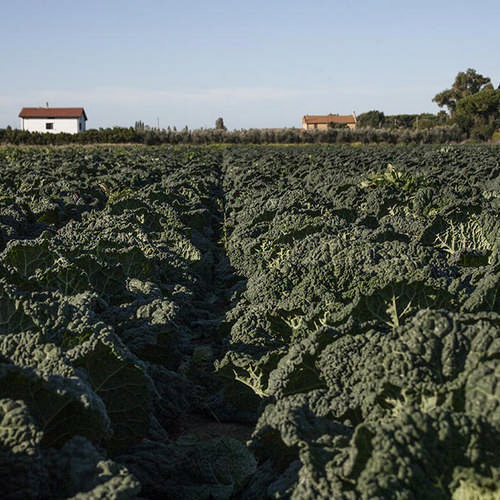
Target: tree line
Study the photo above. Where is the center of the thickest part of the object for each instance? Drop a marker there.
(119, 135)
(472, 102)
(473, 112)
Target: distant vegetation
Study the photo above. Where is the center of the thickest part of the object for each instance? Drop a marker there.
(472, 102)
(473, 106)
(119, 135)
(377, 119)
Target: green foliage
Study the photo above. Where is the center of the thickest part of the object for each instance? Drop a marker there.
(341, 304)
(119, 271)
(27, 258)
(61, 407)
(422, 121)
(397, 129)
(392, 176)
(216, 468)
(464, 235)
(21, 472)
(374, 119)
(479, 113)
(466, 84)
(13, 316)
(122, 385)
(79, 470)
(365, 337)
(219, 124)
(28, 471)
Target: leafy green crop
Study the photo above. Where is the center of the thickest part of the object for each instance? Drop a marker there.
(250, 322)
(366, 337)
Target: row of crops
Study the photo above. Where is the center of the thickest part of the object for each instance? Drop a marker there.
(250, 322)
(107, 279)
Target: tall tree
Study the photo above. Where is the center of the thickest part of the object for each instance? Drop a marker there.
(466, 83)
(372, 118)
(479, 114)
(219, 124)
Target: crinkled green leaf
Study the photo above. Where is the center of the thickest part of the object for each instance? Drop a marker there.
(80, 471)
(13, 317)
(201, 470)
(123, 386)
(27, 257)
(61, 407)
(22, 474)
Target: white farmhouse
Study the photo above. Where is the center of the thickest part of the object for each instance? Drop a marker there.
(53, 120)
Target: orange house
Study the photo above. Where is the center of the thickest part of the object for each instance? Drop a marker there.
(323, 122)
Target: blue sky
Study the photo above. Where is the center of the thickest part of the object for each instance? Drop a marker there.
(256, 64)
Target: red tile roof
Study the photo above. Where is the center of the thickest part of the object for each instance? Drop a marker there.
(328, 119)
(52, 113)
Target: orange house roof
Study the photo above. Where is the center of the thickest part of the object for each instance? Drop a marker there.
(312, 119)
(52, 113)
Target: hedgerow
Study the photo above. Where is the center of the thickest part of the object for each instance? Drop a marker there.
(122, 135)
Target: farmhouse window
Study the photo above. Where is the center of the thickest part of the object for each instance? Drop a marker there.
(49, 126)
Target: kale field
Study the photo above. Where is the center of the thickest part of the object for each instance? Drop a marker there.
(250, 322)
